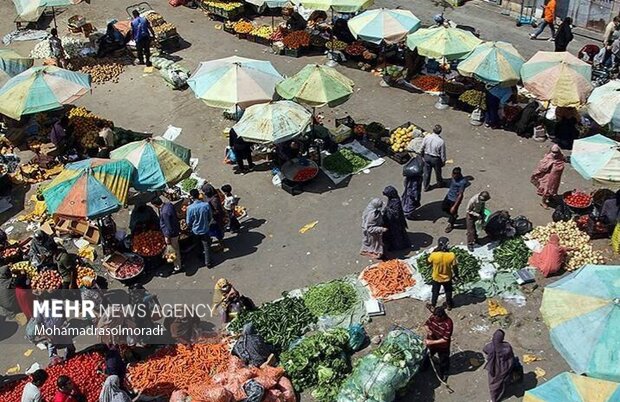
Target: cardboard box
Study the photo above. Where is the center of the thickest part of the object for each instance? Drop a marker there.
(82, 228)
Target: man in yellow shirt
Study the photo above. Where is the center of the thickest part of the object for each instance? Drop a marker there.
(444, 269)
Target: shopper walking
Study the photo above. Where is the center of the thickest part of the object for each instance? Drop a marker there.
(444, 269)
(475, 212)
(434, 153)
(243, 152)
(454, 197)
(199, 220)
(412, 194)
(548, 174)
(500, 365)
(142, 31)
(564, 35)
(396, 237)
(170, 227)
(230, 202)
(548, 20)
(373, 230)
(32, 390)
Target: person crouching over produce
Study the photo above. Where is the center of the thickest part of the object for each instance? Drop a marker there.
(67, 267)
(373, 230)
(294, 20)
(112, 41)
(142, 219)
(229, 300)
(475, 212)
(444, 269)
(551, 258)
(42, 249)
(439, 328)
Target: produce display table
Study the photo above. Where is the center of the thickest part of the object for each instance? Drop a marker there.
(297, 172)
(223, 10)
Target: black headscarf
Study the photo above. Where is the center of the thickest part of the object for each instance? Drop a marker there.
(7, 295)
(396, 237)
(564, 35)
(500, 362)
(394, 209)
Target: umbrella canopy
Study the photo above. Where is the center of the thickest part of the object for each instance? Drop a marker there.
(380, 25)
(440, 42)
(268, 3)
(339, 6)
(90, 188)
(597, 158)
(11, 63)
(31, 10)
(316, 85)
(159, 162)
(604, 104)
(569, 387)
(39, 89)
(495, 63)
(582, 311)
(232, 81)
(273, 122)
(558, 77)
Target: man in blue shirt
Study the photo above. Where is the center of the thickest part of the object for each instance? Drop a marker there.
(199, 219)
(170, 227)
(142, 31)
(454, 197)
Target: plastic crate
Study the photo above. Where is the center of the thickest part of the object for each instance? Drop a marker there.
(263, 41)
(293, 52)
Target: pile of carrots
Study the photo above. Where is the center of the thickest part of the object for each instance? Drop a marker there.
(179, 367)
(428, 83)
(388, 278)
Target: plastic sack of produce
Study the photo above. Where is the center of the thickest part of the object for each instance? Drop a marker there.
(380, 374)
(254, 391)
(357, 337)
(179, 396)
(175, 75)
(213, 394)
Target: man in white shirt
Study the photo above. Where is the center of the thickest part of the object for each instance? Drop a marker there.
(611, 30)
(32, 390)
(475, 212)
(434, 154)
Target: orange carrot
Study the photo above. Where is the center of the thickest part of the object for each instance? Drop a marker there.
(388, 278)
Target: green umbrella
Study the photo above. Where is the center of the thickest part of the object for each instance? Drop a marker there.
(316, 85)
(11, 63)
(495, 63)
(272, 123)
(440, 42)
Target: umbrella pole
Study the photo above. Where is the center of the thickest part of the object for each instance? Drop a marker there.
(54, 17)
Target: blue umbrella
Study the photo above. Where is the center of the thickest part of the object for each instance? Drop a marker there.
(597, 158)
(377, 26)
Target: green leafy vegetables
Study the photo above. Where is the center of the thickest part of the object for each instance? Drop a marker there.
(345, 161)
(331, 298)
(188, 184)
(279, 322)
(320, 360)
(511, 255)
(467, 265)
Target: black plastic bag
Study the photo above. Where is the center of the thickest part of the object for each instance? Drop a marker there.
(414, 167)
(522, 225)
(254, 391)
(562, 213)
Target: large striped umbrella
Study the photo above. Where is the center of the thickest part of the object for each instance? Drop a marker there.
(381, 25)
(582, 311)
(339, 6)
(158, 162)
(11, 63)
(31, 10)
(597, 158)
(569, 387)
(316, 85)
(272, 123)
(495, 63)
(90, 188)
(604, 104)
(558, 77)
(40, 89)
(443, 42)
(235, 81)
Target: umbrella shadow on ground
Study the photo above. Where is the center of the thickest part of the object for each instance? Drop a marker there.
(465, 361)
(518, 390)
(18, 200)
(7, 328)
(322, 184)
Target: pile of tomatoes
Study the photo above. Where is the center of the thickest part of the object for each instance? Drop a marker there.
(305, 174)
(47, 280)
(148, 244)
(82, 369)
(578, 199)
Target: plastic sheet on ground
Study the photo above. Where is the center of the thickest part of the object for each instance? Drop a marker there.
(396, 296)
(357, 315)
(355, 146)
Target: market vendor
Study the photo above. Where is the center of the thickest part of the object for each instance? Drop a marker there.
(106, 133)
(610, 211)
(8, 298)
(61, 134)
(342, 32)
(103, 151)
(229, 300)
(439, 328)
(42, 249)
(110, 42)
(551, 258)
(67, 267)
(287, 151)
(107, 228)
(143, 218)
(4, 240)
(317, 20)
(294, 20)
